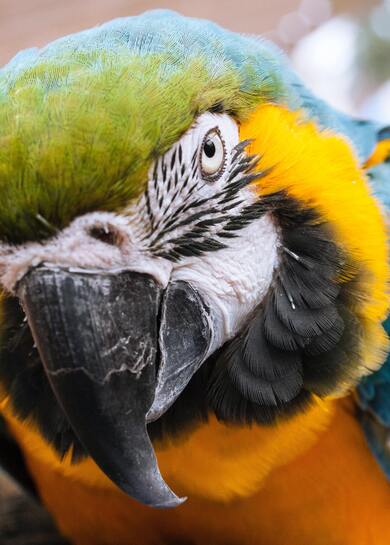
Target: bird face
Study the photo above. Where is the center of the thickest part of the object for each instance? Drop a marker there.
(136, 302)
(223, 274)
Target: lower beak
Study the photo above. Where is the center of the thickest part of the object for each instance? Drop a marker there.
(97, 335)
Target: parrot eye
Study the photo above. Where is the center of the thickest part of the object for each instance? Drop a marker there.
(212, 158)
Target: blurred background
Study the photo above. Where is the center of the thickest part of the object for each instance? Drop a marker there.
(341, 48)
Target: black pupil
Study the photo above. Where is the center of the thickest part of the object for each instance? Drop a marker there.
(209, 148)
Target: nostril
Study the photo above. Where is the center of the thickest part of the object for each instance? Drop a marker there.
(105, 233)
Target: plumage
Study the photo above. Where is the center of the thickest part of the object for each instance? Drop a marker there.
(241, 388)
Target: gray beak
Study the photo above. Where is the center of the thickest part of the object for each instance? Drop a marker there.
(114, 364)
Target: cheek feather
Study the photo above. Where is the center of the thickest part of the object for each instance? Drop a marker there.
(320, 171)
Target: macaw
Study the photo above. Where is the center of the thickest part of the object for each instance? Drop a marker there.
(194, 268)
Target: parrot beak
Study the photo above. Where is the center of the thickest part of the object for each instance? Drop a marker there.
(101, 344)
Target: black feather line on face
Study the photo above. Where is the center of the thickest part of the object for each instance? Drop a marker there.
(219, 214)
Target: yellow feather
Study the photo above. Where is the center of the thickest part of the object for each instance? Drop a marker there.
(319, 169)
(381, 153)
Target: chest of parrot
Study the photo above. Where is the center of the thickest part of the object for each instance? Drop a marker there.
(331, 493)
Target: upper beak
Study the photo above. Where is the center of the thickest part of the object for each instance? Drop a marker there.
(112, 366)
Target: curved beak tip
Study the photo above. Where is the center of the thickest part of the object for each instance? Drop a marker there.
(170, 503)
(90, 354)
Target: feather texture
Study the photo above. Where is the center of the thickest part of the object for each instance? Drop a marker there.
(88, 129)
(303, 334)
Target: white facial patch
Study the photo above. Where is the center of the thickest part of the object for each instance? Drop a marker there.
(199, 220)
(233, 281)
(177, 193)
(177, 190)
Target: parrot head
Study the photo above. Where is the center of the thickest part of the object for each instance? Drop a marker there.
(185, 233)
